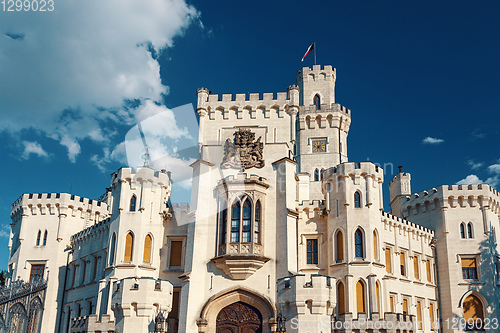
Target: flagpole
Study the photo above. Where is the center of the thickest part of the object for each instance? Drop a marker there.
(314, 47)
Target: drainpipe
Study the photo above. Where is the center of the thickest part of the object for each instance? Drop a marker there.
(70, 251)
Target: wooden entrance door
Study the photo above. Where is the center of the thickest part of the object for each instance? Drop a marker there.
(239, 317)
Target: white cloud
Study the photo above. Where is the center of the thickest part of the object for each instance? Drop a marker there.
(432, 141)
(470, 179)
(66, 73)
(494, 168)
(33, 148)
(5, 230)
(474, 165)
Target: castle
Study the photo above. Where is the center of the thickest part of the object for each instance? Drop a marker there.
(282, 233)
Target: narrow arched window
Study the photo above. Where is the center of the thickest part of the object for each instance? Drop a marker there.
(129, 245)
(340, 298)
(223, 226)
(340, 246)
(375, 246)
(38, 238)
(317, 101)
(235, 222)
(360, 297)
(148, 242)
(469, 230)
(112, 249)
(462, 230)
(322, 173)
(357, 199)
(45, 238)
(258, 217)
(358, 244)
(316, 175)
(377, 295)
(247, 222)
(133, 202)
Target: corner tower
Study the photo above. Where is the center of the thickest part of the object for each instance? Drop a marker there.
(323, 124)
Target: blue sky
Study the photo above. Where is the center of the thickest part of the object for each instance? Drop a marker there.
(73, 82)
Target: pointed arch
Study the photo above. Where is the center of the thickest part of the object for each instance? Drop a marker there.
(470, 230)
(148, 248)
(359, 250)
(357, 199)
(473, 308)
(340, 297)
(258, 219)
(38, 237)
(34, 315)
(360, 297)
(462, 230)
(247, 221)
(308, 122)
(235, 221)
(377, 296)
(133, 203)
(17, 319)
(317, 101)
(45, 234)
(376, 251)
(129, 247)
(112, 250)
(339, 246)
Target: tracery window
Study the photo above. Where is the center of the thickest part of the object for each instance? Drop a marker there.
(246, 219)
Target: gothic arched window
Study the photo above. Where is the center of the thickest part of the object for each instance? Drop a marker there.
(316, 175)
(256, 238)
(470, 230)
(247, 222)
(148, 243)
(223, 226)
(129, 245)
(45, 238)
(340, 298)
(133, 202)
(317, 101)
(38, 238)
(112, 249)
(357, 199)
(462, 230)
(473, 311)
(360, 297)
(235, 222)
(339, 253)
(358, 244)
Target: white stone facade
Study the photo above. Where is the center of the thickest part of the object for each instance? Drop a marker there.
(303, 235)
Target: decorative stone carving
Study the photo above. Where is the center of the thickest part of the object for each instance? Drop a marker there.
(244, 152)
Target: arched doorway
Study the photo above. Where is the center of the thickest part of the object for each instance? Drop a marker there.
(239, 317)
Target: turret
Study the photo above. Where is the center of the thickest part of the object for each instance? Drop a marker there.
(399, 187)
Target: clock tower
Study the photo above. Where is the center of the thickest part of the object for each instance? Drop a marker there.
(323, 125)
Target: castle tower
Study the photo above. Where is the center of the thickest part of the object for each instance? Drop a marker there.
(136, 240)
(399, 187)
(323, 124)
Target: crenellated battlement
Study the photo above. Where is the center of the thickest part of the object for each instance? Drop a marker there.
(141, 175)
(352, 169)
(308, 110)
(452, 196)
(57, 204)
(317, 73)
(404, 223)
(92, 230)
(299, 290)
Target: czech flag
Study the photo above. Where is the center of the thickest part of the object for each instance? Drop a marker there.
(311, 47)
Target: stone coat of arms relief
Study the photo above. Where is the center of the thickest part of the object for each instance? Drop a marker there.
(244, 152)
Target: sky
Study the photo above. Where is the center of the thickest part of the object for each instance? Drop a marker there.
(421, 79)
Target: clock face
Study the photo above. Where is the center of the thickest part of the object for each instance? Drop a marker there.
(319, 146)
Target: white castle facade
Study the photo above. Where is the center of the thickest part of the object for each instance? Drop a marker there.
(282, 232)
